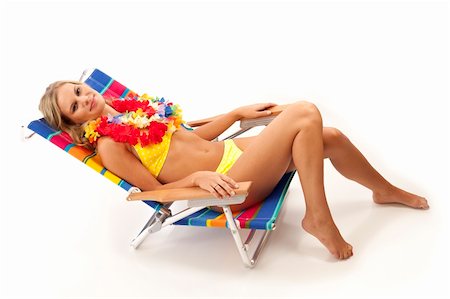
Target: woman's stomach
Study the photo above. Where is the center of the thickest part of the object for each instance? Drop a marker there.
(187, 154)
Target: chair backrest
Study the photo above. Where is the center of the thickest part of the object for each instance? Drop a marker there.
(108, 87)
(105, 85)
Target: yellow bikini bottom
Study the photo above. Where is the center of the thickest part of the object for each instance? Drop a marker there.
(231, 153)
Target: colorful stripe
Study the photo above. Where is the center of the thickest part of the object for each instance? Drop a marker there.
(187, 127)
(250, 215)
(285, 185)
(124, 94)
(105, 88)
(98, 80)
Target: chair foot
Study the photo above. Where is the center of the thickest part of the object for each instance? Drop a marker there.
(153, 225)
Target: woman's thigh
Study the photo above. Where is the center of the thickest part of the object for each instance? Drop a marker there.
(244, 142)
(265, 158)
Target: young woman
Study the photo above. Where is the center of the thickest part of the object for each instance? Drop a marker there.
(163, 155)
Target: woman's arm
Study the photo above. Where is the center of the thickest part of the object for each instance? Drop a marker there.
(222, 122)
(216, 127)
(118, 159)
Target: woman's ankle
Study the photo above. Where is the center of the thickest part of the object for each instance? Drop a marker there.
(385, 190)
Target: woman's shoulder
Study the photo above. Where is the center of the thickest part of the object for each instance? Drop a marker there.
(106, 143)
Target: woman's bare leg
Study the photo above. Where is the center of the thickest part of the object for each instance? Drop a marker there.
(308, 152)
(351, 163)
(295, 134)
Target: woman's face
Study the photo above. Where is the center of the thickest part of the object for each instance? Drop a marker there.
(79, 102)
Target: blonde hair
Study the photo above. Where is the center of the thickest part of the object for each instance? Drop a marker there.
(52, 114)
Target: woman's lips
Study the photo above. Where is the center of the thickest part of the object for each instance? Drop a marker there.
(92, 103)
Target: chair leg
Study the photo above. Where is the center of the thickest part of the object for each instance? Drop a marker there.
(143, 233)
(242, 248)
(154, 224)
(161, 218)
(259, 244)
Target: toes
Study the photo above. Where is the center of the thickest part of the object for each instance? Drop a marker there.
(343, 253)
(347, 253)
(422, 204)
(425, 204)
(350, 251)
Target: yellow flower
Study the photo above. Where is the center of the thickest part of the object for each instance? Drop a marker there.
(146, 97)
(90, 130)
(138, 112)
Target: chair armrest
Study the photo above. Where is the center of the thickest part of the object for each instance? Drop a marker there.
(191, 194)
(275, 111)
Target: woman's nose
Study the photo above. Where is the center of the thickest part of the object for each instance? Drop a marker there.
(86, 99)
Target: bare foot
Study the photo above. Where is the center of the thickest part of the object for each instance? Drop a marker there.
(397, 195)
(328, 234)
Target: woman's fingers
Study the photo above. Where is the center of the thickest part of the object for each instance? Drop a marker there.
(214, 192)
(221, 191)
(223, 187)
(226, 191)
(229, 180)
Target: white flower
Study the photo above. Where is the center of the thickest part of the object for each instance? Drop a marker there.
(141, 122)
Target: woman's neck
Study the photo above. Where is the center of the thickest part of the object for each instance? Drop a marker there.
(109, 110)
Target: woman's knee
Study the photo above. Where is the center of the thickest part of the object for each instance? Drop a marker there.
(332, 136)
(333, 139)
(305, 111)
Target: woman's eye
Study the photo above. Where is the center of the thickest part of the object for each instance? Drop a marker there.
(78, 91)
(74, 107)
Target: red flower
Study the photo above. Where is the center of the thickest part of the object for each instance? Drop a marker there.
(127, 105)
(156, 131)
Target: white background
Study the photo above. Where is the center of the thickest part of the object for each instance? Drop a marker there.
(379, 71)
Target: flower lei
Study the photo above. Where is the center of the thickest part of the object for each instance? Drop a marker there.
(143, 120)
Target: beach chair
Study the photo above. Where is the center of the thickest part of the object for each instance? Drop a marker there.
(258, 220)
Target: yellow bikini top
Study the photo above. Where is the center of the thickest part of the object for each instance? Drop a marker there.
(153, 156)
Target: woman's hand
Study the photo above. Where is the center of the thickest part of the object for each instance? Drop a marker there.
(218, 184)
(254, 111)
